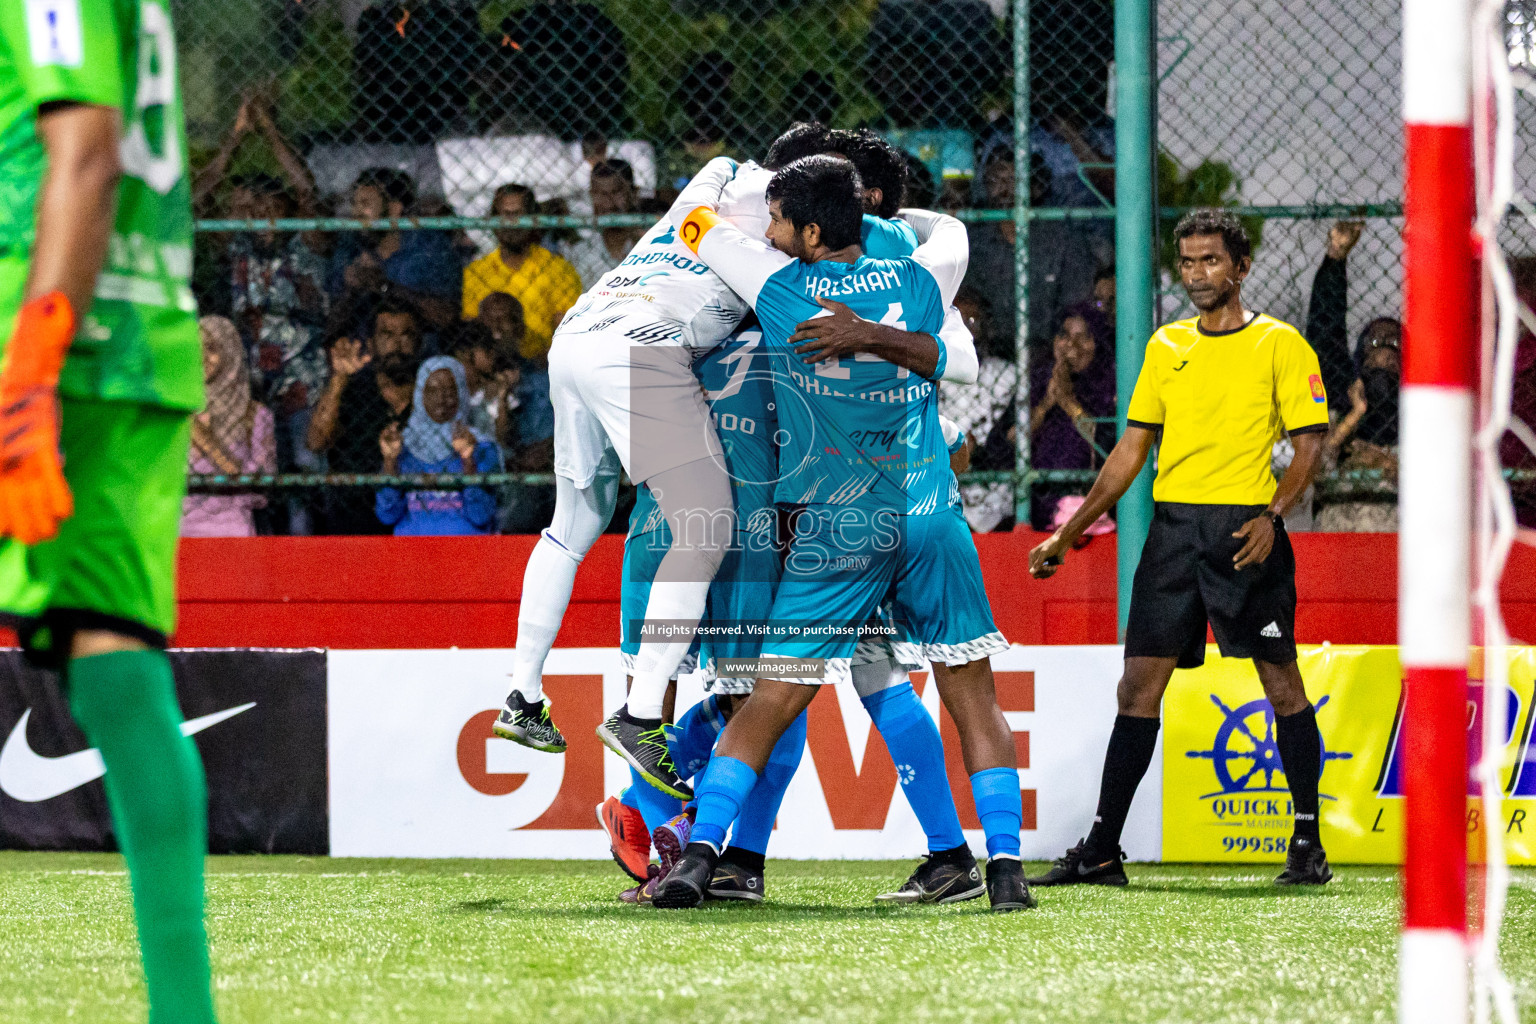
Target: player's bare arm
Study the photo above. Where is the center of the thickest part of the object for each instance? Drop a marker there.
(951, 355)
(79, 195)
(74, 221)
(1259, 532)
(1119, 471)
(842, 332)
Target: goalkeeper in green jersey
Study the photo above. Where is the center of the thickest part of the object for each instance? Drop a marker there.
(100, 375)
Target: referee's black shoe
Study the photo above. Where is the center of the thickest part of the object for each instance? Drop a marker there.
(1305, 864)
(1006, 887)
(1074, 868)
(688, 881)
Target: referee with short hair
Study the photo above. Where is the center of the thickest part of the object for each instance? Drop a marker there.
(1219, 388)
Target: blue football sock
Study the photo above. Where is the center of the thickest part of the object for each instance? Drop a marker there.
(694, 735)
(918, 753)
(1000, 808)
(629, 798)
(656, 807)
(721, 792)
(755, 823)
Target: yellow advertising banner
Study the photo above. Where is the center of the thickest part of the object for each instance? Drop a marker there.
(1225, 796)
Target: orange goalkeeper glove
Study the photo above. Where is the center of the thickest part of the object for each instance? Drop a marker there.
(34, 498)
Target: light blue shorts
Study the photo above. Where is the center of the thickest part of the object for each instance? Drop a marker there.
(844, 563)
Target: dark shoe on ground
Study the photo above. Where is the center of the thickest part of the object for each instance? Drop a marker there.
(1084, 867)
(732, 881)
(1305, 864)
(642, 894)
(644, 745)
(528, 724)
(940, 879)
(688, 881)
(1006, 887)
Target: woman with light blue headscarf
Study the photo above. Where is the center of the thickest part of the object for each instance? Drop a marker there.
(438, 439)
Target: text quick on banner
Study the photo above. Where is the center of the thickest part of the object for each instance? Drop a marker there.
(1225, 796)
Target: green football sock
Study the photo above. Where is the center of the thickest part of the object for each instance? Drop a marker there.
(126, 704)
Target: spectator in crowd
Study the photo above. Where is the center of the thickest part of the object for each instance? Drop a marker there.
(232, 435)
(1104, 293)
(254, 118)
(1081, 159)
(502, 315)
(529, 444)
(437, 438)
(1326, 312)
(532, 427)
(1365, 437)
(932, 63)
(983, 410)
(370, 387)
(277, 297)
(596, 252)
(1071, 410)
(492, 375)
(544, 284)
(1061, 261)
(565, 64)
(250, 196)
(367, 267)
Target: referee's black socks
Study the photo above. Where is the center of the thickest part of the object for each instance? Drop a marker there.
(1130, 753)
(1301, 755)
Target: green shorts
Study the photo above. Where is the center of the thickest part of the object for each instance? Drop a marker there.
(113, 564)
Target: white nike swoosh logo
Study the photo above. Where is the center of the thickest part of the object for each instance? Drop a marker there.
(29, 777)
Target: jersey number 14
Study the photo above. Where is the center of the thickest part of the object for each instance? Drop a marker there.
(834, 367)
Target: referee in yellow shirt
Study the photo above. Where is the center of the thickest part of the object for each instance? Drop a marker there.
(1219, 388)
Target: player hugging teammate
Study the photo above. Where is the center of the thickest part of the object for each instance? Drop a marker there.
(866, 366)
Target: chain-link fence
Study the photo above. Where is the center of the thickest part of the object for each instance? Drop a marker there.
(319, 114)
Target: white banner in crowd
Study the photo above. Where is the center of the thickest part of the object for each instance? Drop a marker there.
(415, 772)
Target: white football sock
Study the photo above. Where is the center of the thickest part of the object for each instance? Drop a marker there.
(581, 516)
(547, 584)
(696, 499)
(658, 660)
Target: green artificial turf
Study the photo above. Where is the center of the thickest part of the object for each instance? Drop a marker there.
(312, 939)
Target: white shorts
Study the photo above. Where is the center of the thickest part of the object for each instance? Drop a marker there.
(641, 403)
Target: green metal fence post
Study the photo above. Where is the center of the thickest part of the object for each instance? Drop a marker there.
(1021, 180)
(1135, 262)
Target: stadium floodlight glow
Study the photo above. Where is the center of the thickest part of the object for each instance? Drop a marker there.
(1435, 504)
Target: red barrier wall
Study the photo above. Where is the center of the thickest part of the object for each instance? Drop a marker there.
(426, 592)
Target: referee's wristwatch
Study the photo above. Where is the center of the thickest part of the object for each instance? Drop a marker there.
(1275, 519)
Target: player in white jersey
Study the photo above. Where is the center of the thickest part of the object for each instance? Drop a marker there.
(624, 394)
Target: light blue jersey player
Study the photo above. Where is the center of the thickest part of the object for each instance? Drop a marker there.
(739, 392)
(865, 458)
(739, 389)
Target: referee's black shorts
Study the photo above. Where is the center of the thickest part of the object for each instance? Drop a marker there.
(1186, 579)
